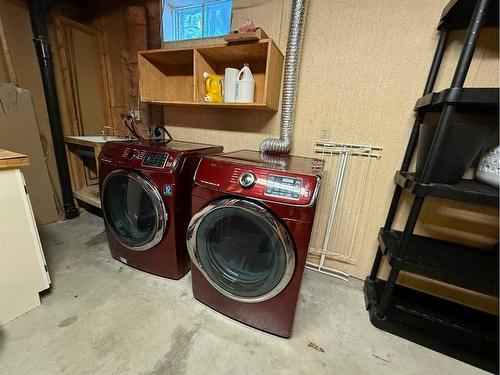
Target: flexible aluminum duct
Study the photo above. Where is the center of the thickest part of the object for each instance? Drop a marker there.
(275, 160)
(284, 144)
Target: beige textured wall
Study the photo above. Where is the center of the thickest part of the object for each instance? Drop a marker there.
(364, 63)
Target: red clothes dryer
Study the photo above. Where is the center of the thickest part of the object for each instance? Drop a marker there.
(249, 236)
(146, 201)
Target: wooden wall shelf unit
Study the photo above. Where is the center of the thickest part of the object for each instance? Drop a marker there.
(174, 76)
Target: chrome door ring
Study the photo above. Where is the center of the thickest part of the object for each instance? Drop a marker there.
(156, 199)
(262, 213)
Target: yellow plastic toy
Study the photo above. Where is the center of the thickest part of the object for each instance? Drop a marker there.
(215, 87)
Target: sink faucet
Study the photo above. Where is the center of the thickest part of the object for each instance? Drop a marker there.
(103, 130)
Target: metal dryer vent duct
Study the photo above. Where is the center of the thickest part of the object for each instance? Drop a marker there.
(283, 145)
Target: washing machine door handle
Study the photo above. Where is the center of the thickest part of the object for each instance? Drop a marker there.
(160, 212)
(263, 214)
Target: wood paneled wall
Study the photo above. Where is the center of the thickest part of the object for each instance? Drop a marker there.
(125, 30)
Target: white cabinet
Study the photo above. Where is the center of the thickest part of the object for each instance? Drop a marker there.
(23, 271)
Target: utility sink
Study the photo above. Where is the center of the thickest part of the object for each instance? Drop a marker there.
(86, 172)
(95, 138)
(89, 146)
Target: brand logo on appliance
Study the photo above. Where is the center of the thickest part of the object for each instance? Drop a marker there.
(210, 183)
(167, 190)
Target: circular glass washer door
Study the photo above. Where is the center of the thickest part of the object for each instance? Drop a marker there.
(133, 209)
(241, 249)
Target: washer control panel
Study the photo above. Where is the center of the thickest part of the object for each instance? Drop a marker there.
(142, 155)
(155, 159)
(132, 153)
(283, 187)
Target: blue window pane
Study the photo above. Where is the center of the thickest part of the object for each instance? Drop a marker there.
(189, 23)
(209, 18)
(217, 18)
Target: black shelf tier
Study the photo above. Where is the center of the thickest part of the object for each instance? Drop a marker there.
(451, 263)
(469, 191)
(455, 330)
(457, 15)
(468, 100)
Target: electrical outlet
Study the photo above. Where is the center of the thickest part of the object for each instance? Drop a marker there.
(136, 113)
(325, 134)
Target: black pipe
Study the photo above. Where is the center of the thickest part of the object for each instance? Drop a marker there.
(38, 14)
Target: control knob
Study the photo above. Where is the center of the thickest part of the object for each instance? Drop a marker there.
(247, 180)
(132, 154)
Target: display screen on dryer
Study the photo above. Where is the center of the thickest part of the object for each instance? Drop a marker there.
(283, 187)
(155, 159)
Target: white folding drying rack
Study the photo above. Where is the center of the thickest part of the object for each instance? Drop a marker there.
(345, 152)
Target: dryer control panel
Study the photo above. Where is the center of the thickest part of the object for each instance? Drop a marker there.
(283, 187)
(260, 183)
(155, 159)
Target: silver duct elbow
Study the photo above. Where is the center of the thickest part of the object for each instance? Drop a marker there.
(284, 144)
(275, 160)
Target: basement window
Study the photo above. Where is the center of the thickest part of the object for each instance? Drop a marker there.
(193, 19)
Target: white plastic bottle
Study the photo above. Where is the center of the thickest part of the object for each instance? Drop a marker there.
(230, 78)
(245, 86)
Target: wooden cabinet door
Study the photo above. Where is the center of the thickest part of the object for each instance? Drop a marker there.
(23, 273)
(82, 86)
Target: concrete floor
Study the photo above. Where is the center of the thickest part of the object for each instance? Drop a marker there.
(102, 317)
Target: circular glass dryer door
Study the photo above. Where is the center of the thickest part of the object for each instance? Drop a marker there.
(242, 249)
(133, 209)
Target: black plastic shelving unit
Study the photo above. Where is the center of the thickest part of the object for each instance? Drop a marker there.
(444, 326)
(451, 263)
(473, 100)
(461, 332)
(469, 191)
(457, 14)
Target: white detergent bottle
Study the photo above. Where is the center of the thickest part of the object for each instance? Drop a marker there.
(245, 86)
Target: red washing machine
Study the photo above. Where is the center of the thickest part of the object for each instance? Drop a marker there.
(249, 235)
(146, 201)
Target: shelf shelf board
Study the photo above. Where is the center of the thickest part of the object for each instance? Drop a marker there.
(451, 263)
(211, 105)
(173, 76)
(457, 14)
(469, 191)
(90, 195)
(469, 100)
(455, 330)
